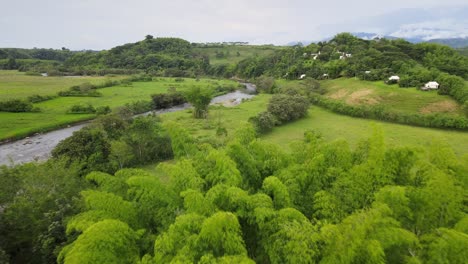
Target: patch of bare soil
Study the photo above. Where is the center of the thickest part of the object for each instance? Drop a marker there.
(361, 97)
(439, 107)
(338, 94)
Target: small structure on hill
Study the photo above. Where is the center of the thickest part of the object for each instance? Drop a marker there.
(430, 86)
(367, 72)
(302, 76)
(394, 78)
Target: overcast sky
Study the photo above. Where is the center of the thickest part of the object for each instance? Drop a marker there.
(102, 24)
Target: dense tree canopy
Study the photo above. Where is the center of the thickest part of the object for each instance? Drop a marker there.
(250, 201)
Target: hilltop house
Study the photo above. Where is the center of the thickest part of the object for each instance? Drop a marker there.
(394, 78)
(302, 76)
(430, 86)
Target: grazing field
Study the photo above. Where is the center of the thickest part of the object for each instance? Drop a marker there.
(54, 112)
(332, 126)
(406, 100)
(233, 54)
(18, 85)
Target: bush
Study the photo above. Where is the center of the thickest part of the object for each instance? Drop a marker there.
(166, 100)
(82, 90)
(140, 106)
(103, 110)
(82, 109)
(265, 84)
(16, 106)
(288, 107)
(92, 93)
(39, 98)
(264, 122)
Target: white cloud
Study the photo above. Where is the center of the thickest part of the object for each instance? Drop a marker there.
(439, 28)
(102, 24)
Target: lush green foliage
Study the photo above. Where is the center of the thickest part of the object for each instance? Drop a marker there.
(200, 98)
(323, 203)
(111, 143)
(166, 100)
(16, 106)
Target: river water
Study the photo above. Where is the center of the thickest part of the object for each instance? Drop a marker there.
(39, 147)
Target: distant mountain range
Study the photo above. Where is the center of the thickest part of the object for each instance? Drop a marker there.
(442, 24)
(452, 42)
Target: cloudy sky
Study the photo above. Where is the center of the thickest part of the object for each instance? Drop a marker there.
(102, 24)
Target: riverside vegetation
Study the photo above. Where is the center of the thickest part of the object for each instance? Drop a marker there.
(276, 179)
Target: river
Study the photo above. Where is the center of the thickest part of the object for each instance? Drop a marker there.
(39, 147)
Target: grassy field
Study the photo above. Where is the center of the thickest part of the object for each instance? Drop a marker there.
(54, 112)
(332, 126)
(407, 100)
(234, 54)
(18, 85)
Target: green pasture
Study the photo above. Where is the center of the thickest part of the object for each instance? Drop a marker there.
(18, 85)
(332, 126)
(407, 100)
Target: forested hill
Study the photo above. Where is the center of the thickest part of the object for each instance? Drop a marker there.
(343, 56)
(152, 55)
(349, 56)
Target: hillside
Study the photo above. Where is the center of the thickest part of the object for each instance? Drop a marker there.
(232, 54)
(408, 100)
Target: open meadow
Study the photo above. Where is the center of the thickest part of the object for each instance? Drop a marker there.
(18, 85)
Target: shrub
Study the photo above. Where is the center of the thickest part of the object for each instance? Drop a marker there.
(82, 109)
(264, 122)
(140, 106)
(16, 106)
(82, 90)
(103, 110)
(288, 107)
(265, 84)
(39, 98)
(166, 100)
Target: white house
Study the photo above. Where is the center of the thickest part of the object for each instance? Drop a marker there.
(302, 76)
(394, 78)
(367, 72)
(431, 86)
